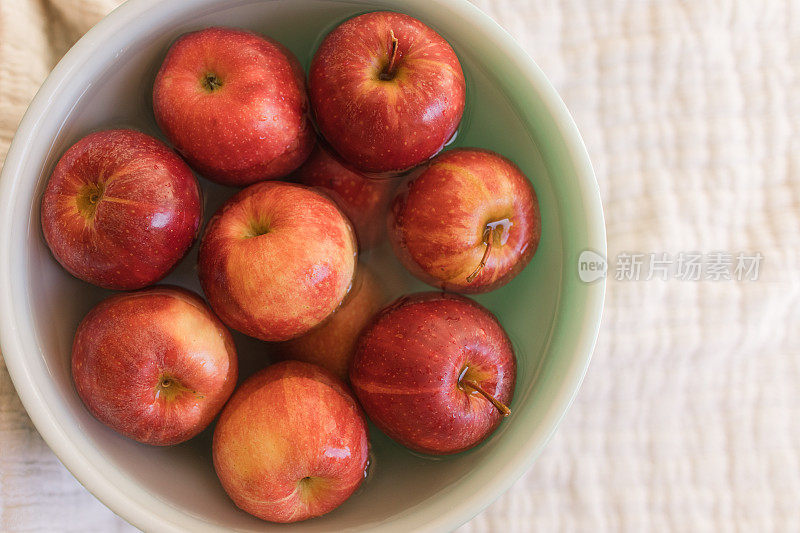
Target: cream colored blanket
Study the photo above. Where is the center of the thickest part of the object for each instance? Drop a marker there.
(689, 418)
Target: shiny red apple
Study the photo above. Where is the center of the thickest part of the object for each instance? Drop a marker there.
(331, 344)
(234, 104)
(291, 444)
(120, 209)
(387, 91)
(468, 223)
(435, 372)
(363, 199)
(276, 260)
(154, 365)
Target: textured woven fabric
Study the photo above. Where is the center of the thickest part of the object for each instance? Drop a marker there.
(689, 416)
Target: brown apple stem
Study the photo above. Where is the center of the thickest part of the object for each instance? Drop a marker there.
(211, 82)
(88, 198)
(488, 237)
(171, 388)
(503, 408)
(388, 72)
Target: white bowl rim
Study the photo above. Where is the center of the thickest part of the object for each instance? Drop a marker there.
(130, 504)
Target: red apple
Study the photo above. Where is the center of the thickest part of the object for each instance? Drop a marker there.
(331, 344)
(234, 104)
(291, 444)
(387, 91)
(435, 372)
(363, 199)
(468, 223)
(276, 260)
(154, 365)
(120, 210)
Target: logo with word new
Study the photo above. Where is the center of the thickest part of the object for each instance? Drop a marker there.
(591, 266)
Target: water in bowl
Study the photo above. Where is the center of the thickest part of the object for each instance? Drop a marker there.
(121, 97)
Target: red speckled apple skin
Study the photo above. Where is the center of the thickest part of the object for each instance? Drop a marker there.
(437, 221)
(255, 126)
(276, 260)
(288, 422)
(406, 371)
(129, 342)
(146, 218)
(386, 125)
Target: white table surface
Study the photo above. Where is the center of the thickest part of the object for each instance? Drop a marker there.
(689, 418)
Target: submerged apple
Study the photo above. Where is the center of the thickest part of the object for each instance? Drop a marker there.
(291, 444)
(120, 209)
(468, 223)
(363, 199)
(276, 260)
(234, 104)
(387, 91)
(154, 365)
(331, 344)
(435, 372)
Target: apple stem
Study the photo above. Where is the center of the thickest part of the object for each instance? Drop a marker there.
(388, 72)
(169, 388)
(88, 198)
(503, 408)
(211, 82)
(488, 237)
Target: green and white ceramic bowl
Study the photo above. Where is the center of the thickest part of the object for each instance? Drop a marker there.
(550, 314)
